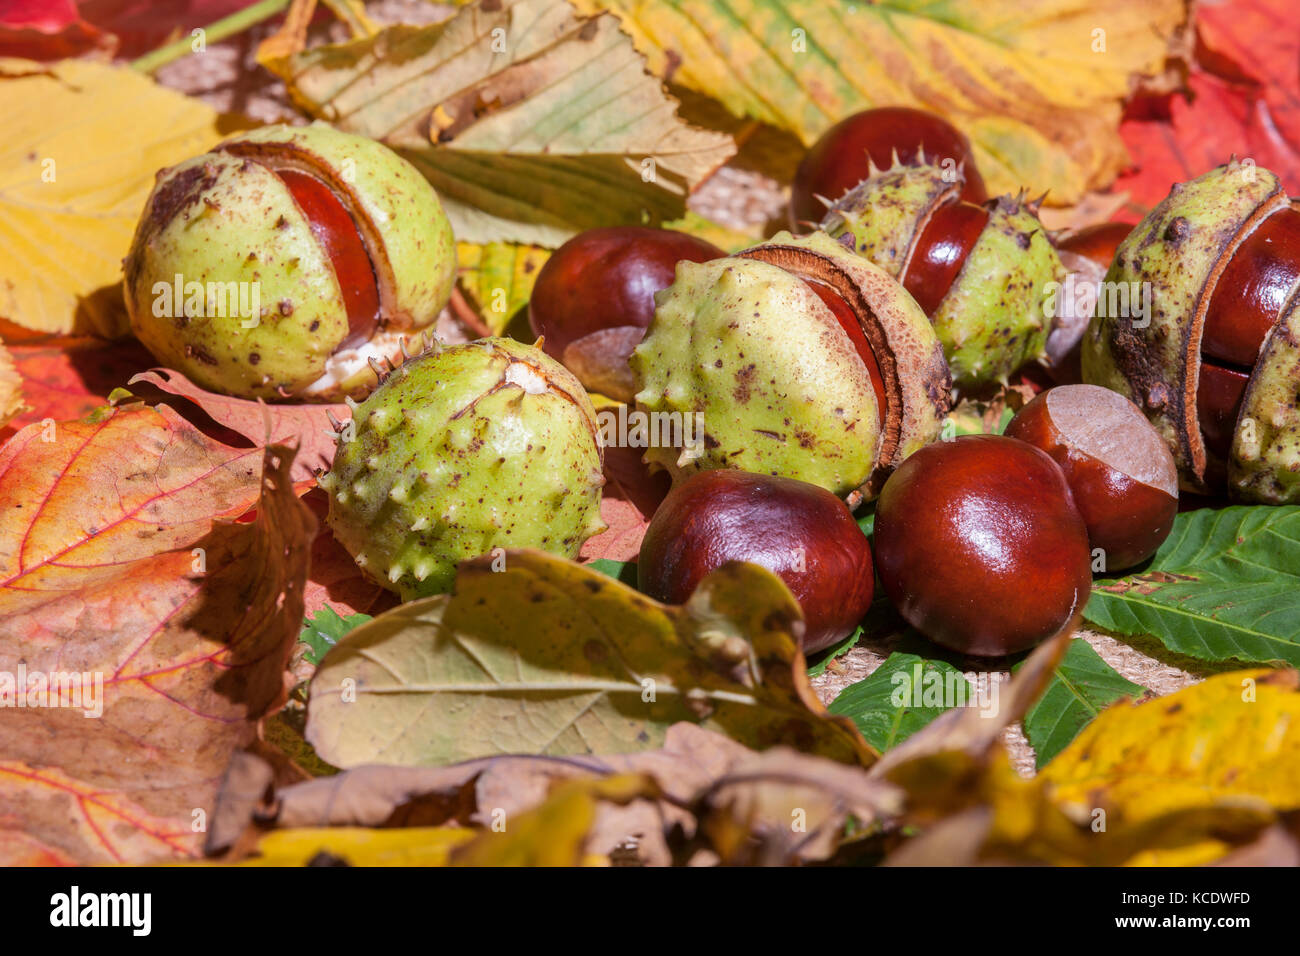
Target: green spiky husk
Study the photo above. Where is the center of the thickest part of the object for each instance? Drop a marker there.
(461, 451)
(780, 389)
(1178, 250)
(225, 217)
(993, 319)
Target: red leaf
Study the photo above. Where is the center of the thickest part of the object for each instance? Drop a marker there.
(1245, 100)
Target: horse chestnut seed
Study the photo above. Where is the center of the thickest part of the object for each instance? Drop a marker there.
(1120, 471)
(595, 296)
(841, 158)
(800, 532)
(980, 547)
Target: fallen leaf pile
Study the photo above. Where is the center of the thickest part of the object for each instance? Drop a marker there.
(233, 690)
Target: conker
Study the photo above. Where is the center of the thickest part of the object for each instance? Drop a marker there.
(843, 156)
(797, 358)
(981, 273)
(1120, 472)
(284, 261)
(1215, 361)
(594, 298)
(980, 547)
(800, 532)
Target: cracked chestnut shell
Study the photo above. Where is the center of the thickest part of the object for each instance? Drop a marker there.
(340, 246)
(594, 298)
(800, 532)
(1215, 366)
(799, 359)
(842, 157)
(1120, 472)
(980, 547)
(982, 273)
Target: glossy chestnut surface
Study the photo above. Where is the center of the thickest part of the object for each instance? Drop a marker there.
(1120, 471)
(941, 251)
(980, 547)
(1252, 289)
(838, 161)
(800, 532)
(1097, 243)
(338, 235)
(594, 298)
(848, 320)
(1218, 402)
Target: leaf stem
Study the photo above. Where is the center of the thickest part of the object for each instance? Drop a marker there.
(225, 27)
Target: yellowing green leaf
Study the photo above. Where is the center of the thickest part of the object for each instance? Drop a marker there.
(498, 278)
(550, 657)
(1037, 87)
(82, 143)
(531, 121)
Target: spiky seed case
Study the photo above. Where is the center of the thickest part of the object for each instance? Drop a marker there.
(463, 449)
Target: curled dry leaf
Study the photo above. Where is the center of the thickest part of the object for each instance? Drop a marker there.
(536, 654)
(655, 807)
(1184, 779)
(125, 580)
(531, 121)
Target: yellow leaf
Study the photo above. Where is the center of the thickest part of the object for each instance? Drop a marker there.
(82, 143)
(1037, 86)
(532, 122)
(1234, 738)
(536, 654)
(497, 278)
(555, 832)
(11, 387)
(360, 846)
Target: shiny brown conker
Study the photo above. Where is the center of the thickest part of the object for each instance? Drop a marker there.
(980, 547)
(800, 532)
(838, 161)
(594, 298)
(1120, 471)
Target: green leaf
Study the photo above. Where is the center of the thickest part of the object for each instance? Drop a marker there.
(1224, 585)
(531, 121)
(837, 650)
(624, 571)
(900, 697)
(1081, 687)
(323, 631)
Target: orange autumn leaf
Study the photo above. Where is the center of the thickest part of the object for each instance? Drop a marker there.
(304, 426)
(65, 378)
(120, 560)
